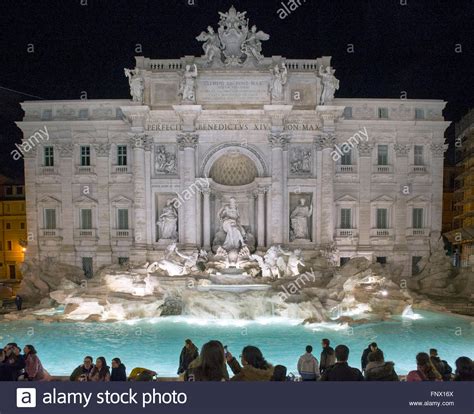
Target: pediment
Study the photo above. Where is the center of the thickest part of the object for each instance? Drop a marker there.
(49, 199)
(85, 199)
(346, 198)
(122, 200)
(383, 199)
(419, 199)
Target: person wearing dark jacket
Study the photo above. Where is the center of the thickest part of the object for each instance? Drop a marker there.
(18, 302)
(379, 370)
(82, 372)
(188, 354)
(12, 363)
(464, 369)
(441, 366)
(364, 359)
(118, 371)
(328, 357)
(341, 371)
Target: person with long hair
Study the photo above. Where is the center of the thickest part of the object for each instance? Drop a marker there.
(211, 364)
(254, 366)
(34, 370)
(119, 372)
(425, 371)
(100, 372)
(464, 369)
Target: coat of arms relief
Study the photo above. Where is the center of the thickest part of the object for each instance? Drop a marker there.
(234, 43)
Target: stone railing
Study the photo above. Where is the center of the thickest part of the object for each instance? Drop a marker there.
(418, 169)
(346, 233)
(50, 233)
(85, 233)
(383, 169)
(381, 232)
(121, 233)
(121, 169)
(343, 169)
(164, 65)
(423, 232)
(306, 65)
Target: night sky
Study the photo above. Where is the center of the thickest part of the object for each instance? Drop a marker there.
(424, 47)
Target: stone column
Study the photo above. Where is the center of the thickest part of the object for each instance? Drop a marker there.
(104, 251)
(206, 218)
(32, 214)
(187, 143)
(251, 212)
(279, 143)
(401, 177)
(365, 177)
(437, 158)
(66, 169)
(325, 144)
(138, 142)
(261, 217)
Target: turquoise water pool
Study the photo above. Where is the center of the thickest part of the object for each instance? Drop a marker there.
(157, 343)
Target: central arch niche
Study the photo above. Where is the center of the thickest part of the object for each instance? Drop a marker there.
(233, 169)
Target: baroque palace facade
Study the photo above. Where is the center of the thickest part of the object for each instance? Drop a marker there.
(120, 180)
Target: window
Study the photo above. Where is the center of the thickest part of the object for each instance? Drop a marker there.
(414, 265)
(122, 261)
(9, 245)
(87, 267)
(381, 259)
(50, 218)
(83, 113)
(419, 113)
(348, 112)
(121, 154)
(122, 218)
(418, 155)
(346, 222)
(48, 156)
(382, 222)
(85, 155)
(346, 158)
(22, 226)
(19, 190)
(86, 218)
(383, 113)
(9, 190)
(417, 218)
(344, 260)
(12, 271)
(382, 155)
(8, 226)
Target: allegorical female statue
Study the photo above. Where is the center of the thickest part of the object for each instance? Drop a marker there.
(230, 218)
(187, 88)
(299, 223)
(279, 78)
(136, 84)
(330, 84)
(168, 222)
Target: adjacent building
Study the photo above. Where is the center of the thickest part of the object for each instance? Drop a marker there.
(306, 170)
(13, 233)
(461, 235)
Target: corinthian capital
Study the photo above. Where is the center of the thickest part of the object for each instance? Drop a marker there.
(438, 150)
(402, 150)
(102, 150)
(279, 139)
(65, 150)
(365, 149)
(139, 140)
(325, 141)
(187, 140)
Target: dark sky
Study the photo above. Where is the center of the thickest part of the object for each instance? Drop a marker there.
(77, 48)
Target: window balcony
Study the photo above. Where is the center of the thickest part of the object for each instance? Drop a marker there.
(50, 233)
(346, 169)
(122, 233)
(346, 233)
(121, 169)
(84, 169)
(418, 169)
(381, 233)
(423, 232)
(49, 171)
(383, 169)
(85, 233)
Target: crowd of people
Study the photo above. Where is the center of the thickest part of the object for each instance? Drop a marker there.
(215, 360)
